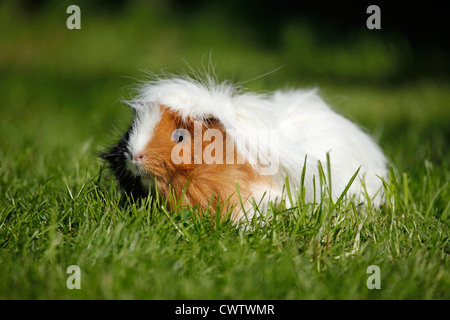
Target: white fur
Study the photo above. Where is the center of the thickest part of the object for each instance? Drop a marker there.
(305, 123)
(146, 117)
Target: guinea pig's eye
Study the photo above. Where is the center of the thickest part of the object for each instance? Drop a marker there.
(179, 135)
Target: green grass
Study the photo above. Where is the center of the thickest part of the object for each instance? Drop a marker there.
(59, 106)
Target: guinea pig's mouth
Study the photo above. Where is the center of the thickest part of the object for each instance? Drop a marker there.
(133, 166)
(136, 169)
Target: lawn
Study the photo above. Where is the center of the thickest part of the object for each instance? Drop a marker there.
(59, 206)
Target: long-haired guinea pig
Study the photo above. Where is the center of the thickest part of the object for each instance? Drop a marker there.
(204, 143)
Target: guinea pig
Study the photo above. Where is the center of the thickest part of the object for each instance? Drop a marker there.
(202, 142)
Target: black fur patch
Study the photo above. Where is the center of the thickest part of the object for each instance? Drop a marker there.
(116, 159)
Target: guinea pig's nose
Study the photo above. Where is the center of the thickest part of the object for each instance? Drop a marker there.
(139, 157)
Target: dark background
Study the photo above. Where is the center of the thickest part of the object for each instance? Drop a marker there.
(423, 25)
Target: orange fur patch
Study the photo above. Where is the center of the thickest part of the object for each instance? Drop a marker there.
(206, 184)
